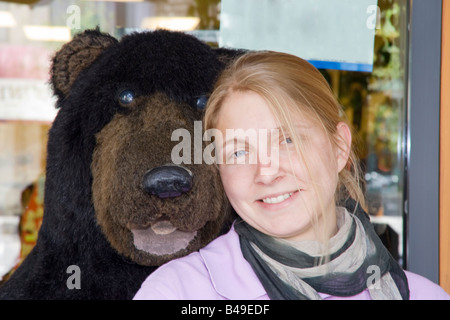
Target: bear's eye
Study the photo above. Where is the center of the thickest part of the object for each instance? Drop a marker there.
(201, 102)
(126, 97)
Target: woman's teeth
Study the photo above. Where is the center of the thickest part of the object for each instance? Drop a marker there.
(277, 199)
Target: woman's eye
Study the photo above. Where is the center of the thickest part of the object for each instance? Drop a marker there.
(240, 153)
(126, 97)
(286, 141)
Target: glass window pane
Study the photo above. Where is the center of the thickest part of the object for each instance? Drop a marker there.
(29, 35)
(376, 104)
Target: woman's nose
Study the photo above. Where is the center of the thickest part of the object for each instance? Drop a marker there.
(268, 170)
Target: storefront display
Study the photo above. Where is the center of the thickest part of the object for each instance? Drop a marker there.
(375, 98)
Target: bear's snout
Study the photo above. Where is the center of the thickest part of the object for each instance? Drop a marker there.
(167, 181)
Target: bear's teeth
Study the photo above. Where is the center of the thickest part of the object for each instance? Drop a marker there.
(163, 227)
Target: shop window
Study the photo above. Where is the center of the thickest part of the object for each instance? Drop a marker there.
(30, 33)
(376, 104)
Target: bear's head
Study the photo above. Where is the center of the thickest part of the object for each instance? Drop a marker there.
(112, 144)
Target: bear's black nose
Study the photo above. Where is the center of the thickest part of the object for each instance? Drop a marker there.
(167, 181)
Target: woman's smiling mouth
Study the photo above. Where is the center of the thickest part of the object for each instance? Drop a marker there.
(277, 199)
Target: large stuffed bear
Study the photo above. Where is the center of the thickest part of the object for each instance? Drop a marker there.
(116, 206)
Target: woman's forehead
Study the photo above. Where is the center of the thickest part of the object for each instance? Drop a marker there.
(247, 109)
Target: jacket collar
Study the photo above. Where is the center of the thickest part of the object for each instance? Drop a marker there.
(231, 275)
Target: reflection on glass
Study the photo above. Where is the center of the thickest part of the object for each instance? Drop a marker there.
(376, 104)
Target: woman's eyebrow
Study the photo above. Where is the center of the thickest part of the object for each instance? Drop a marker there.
(296, 125)
(235, 141)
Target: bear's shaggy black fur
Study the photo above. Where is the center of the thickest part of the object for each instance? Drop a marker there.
(119, 103)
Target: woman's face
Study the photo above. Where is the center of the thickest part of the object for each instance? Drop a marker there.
(265, 180)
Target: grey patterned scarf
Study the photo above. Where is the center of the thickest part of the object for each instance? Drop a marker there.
(358, 261)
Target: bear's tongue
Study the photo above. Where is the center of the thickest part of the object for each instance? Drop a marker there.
(162, 238)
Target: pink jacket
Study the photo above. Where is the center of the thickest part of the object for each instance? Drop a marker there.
(219, 271)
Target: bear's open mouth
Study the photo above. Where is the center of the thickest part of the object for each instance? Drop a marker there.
(162, 238)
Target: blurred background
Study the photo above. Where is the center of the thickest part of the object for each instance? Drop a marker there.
(374, 96)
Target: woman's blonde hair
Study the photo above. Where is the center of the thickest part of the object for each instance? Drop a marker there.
(289, 85)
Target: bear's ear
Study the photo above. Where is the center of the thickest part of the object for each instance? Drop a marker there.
(76, 55)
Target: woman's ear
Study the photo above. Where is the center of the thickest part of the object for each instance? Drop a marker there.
(344, 139)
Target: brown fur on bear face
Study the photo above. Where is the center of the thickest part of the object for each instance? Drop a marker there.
(103, 145)
(128, 147)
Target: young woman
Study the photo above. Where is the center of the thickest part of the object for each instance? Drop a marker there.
(284, 152)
